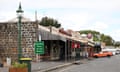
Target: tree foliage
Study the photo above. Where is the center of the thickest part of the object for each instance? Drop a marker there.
(46, 21)
(117, 44)
(98, 37)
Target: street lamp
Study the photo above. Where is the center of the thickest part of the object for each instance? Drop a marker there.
(19, 12)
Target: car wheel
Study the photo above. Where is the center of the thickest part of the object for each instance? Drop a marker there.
(95, 56)
(108, 56)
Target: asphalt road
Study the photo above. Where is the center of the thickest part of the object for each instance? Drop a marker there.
(105, 64)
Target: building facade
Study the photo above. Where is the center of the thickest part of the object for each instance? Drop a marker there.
(9, 38)
(59, 44)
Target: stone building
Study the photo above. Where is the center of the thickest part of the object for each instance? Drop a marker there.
(9, 38)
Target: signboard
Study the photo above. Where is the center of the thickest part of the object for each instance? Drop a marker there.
(75, 45)
(39, 47)
(8, 61)
(89, 35)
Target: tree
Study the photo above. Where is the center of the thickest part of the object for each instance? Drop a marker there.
(117, 44)
(95, 34)
(98, 37)
(45, 21)
(108, 40)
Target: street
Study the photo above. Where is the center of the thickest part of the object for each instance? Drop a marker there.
(105, 64)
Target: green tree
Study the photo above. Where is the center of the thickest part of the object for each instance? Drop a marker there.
(108, 40)
(117, 44)
(46, 21)
(97, 36)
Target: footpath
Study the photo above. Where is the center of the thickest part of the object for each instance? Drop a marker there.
(49, 66)
(46, 66)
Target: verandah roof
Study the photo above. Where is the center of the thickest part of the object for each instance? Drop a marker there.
(45, 35)
(55, 35)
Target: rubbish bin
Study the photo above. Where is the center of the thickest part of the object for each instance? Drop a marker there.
(27, 61)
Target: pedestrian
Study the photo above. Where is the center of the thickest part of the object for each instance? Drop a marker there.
(86, 54)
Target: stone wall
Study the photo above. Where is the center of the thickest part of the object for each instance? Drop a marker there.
(9, 40)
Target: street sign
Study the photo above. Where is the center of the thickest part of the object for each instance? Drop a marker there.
(39, 47)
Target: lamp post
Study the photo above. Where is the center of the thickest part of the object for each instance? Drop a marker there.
(19, 12)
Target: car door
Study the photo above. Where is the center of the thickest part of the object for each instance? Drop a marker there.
(105, 53)
(101, 54)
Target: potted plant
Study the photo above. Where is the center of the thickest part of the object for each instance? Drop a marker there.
(18, 67)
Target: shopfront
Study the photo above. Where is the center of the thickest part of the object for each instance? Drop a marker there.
(54, 45)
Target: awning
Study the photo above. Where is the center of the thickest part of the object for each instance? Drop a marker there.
(46, 35)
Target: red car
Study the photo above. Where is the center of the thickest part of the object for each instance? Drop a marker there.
(102, 54)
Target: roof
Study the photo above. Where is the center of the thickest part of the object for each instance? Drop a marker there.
(55, 34)
(24, 19)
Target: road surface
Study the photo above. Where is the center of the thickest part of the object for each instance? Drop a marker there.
(105, 64)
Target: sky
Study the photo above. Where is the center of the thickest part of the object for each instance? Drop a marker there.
(99, 15)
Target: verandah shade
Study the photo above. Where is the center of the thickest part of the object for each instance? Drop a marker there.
(46, 35)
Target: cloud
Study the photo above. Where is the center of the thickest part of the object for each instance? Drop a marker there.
(74, 20)
(116, 34)
(93, 5)
(5, 16)
(6, 5)
(88, 4)
(103, 5)
(100, 26)
(100, 15)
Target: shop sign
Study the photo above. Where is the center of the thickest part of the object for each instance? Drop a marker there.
(75, 45)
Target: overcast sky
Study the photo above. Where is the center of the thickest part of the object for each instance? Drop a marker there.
(99, 15)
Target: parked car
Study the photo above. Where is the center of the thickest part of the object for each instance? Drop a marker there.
(117, 51)
(113, 50)
(103, 54)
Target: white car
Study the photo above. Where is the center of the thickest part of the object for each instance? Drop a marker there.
(117, 51)
(114, 51)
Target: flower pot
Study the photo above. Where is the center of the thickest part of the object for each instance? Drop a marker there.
(18, 70)
(21, 70)
(12, 69)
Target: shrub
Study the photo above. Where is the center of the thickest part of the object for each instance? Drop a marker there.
(19, 65)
